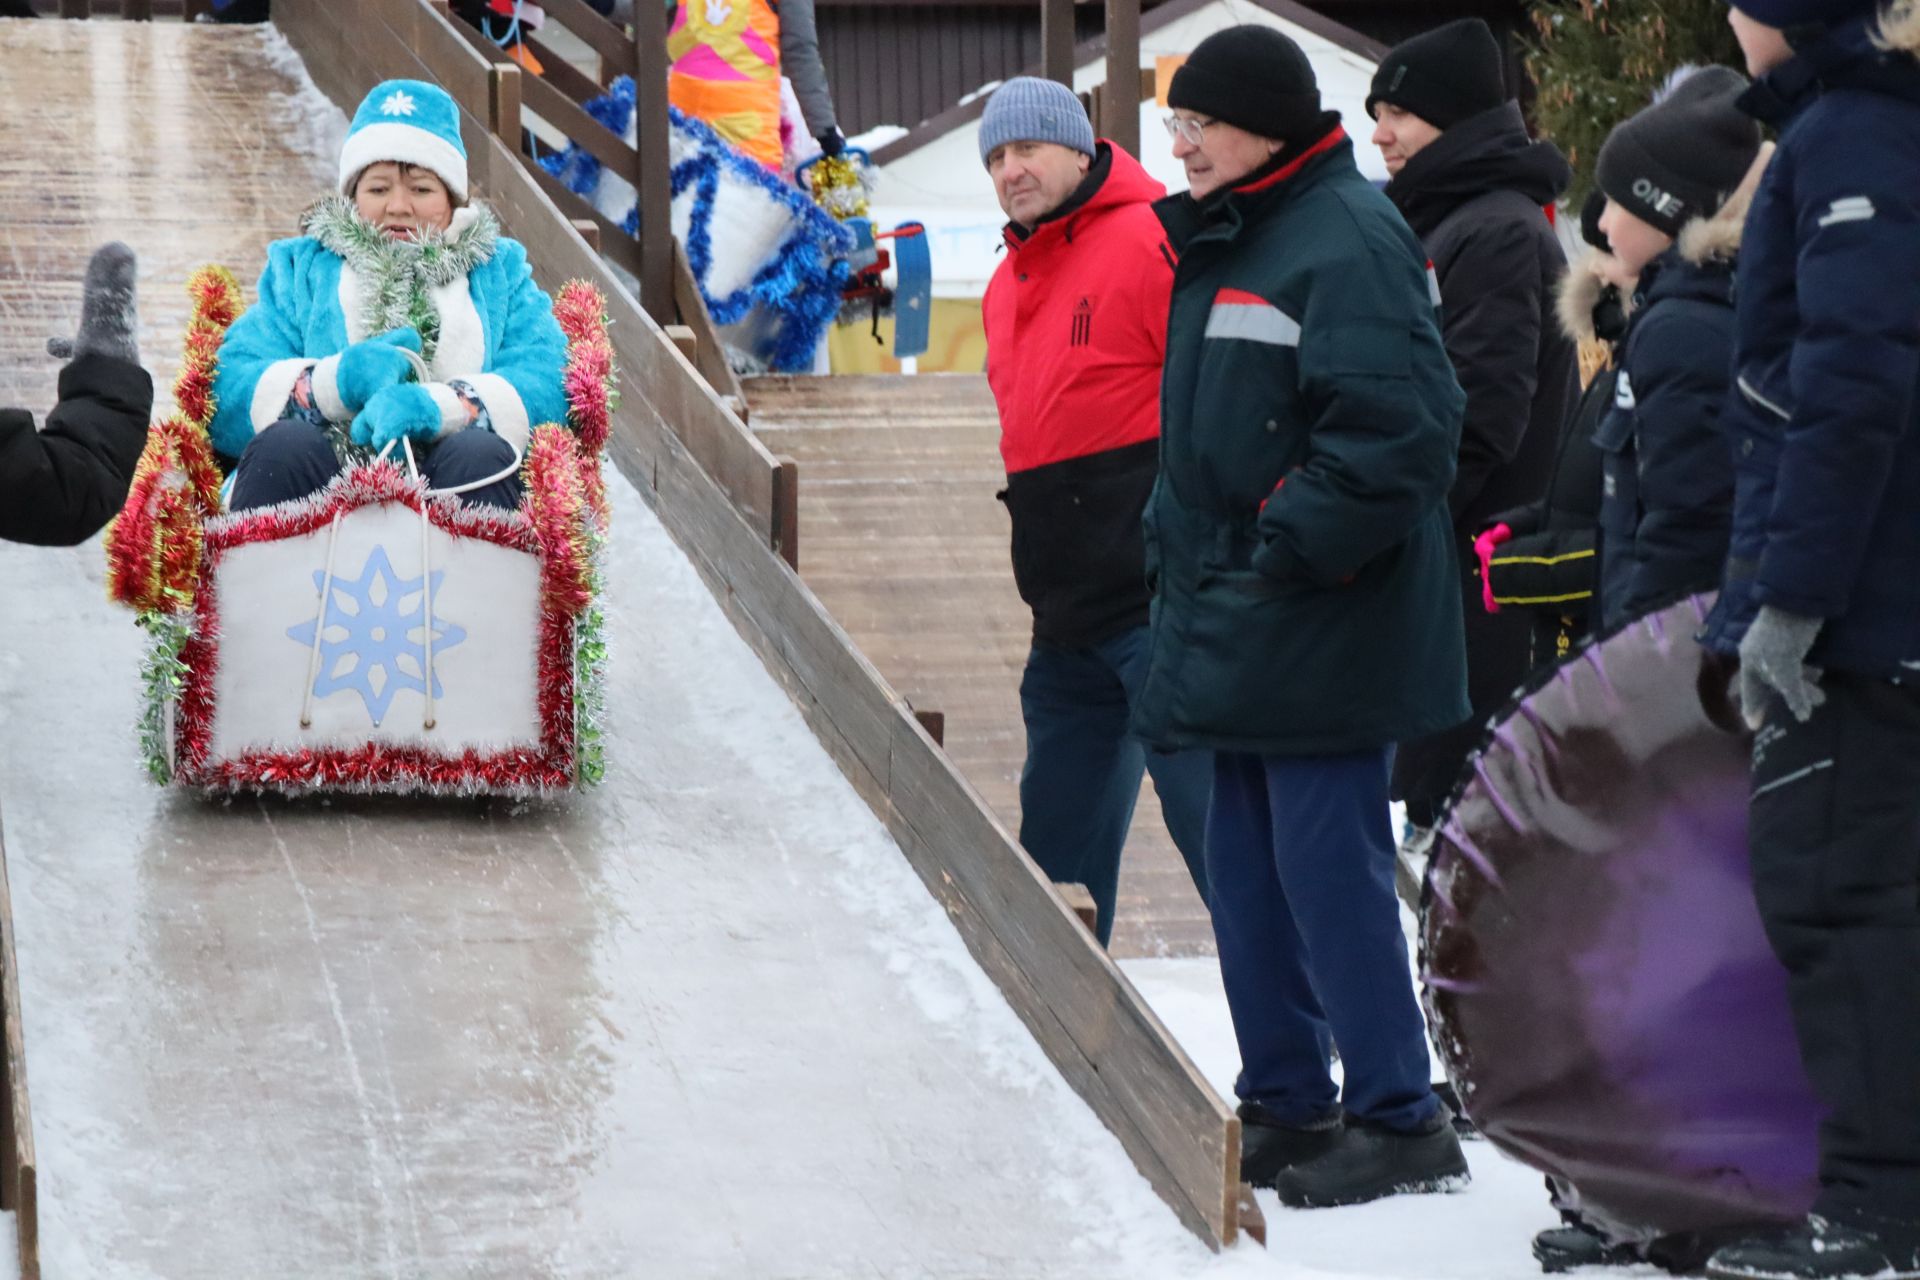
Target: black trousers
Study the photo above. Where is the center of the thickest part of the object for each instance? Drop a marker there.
(1834, 834)
(292, 459)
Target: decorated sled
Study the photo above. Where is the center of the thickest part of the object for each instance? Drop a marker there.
(379, 635)
(1599, 983)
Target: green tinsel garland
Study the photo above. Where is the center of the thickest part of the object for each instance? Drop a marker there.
(162, 675)
(396, 275)
(589, 682)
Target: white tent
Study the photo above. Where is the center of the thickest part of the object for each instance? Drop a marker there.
(933, 175)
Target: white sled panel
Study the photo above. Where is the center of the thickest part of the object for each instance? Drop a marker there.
(369, 685)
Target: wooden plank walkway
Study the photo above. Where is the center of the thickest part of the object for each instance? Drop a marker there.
(901, 538)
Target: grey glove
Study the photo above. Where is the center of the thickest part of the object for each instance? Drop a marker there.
(1774, 656)
(107, 321)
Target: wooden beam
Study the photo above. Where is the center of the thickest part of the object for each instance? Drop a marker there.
(1120, 107)
(589, 231)
(691, 310)
(682, 337)
(652, 178)
(1056, 40)
(786, 512)
(136, 10)
(605, 39)
(19, 1179)
(564, 114)
(934, 722)
(1079, 900)
(76, 9)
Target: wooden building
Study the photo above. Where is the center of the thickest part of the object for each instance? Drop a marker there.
(902, 62)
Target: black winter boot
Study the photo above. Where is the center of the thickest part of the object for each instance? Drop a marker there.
(1575, 1244)
(1267, 1146)
(1825, 1249)
(1368, 1163)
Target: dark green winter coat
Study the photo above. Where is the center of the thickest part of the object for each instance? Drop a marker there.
(1306, 596)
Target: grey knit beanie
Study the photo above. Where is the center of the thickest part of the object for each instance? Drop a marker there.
(1029, 109)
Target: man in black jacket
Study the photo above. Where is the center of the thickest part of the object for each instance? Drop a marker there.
(59, 486)
(1474, 187)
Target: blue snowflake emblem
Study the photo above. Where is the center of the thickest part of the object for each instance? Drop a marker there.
(381, 645)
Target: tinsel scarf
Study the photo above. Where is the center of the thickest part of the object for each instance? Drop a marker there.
(396, 275)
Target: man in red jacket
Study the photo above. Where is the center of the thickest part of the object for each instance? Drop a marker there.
(1076, 320)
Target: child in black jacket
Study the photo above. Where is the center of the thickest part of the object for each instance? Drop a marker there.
(61, 485)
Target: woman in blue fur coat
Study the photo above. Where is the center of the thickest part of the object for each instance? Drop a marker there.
(403, 313)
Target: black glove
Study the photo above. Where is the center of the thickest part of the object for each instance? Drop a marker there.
(832, 142)
(108, 324)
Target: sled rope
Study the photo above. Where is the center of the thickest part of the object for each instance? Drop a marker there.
(426, 587)
(320, 626)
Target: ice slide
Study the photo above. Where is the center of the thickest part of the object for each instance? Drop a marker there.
(705, 1022)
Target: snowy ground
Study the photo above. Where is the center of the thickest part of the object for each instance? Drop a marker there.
(1482, 1233)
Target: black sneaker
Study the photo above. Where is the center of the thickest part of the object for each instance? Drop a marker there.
(1368, 1163)
(1823, 1249)
(1267, 1146)
(1573, 1245)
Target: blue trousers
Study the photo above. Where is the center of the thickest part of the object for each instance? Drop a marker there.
(1081, 779)
(1300, 857)
(293, 458)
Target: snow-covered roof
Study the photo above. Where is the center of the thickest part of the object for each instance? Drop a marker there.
(933, 174)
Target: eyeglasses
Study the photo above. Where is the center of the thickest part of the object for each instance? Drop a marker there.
(1194, 131)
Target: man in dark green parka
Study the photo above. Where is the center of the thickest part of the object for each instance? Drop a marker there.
(1306, 614)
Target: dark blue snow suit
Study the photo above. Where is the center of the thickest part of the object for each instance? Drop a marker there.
(1666, 469)
(1826, 524)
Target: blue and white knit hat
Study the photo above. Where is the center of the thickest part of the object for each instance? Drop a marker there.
(411, 122)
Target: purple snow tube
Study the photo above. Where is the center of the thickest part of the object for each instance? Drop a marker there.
(1598, 981)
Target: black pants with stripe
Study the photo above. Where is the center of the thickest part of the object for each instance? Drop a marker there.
(1835, 840)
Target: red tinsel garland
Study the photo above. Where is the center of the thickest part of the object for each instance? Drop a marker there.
(153, 545)
(556, 504)
(589, 381)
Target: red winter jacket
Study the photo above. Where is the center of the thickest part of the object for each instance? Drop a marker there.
(1076, 320)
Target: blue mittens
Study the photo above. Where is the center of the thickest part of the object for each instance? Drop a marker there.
(407, 409)
(370, 367)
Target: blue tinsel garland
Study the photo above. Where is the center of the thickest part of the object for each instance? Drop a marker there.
(800, 285)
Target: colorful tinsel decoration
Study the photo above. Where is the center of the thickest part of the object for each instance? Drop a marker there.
(153, 545)
(162, 676)
(842, 185)
(556, 504)
(591, 383)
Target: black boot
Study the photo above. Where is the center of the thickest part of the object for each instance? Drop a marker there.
(1825, 1249)
(1267, 1146)
(1368, 1163)
(1575, 1244)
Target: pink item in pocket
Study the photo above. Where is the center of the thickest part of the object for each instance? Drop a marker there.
(1483, 546)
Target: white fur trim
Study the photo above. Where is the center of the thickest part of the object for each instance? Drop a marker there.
(504, 406)
(271, 392)
(326, 390)
(405, 144)
(453, 411)
(462, 347)
(351, 304)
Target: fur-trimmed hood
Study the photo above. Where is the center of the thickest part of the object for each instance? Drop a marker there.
(1577, 296)
(1717, 239)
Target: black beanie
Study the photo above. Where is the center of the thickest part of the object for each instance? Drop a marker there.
(1680, 158)
(1250, 76)
(1443, 75)
(1590, 221)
